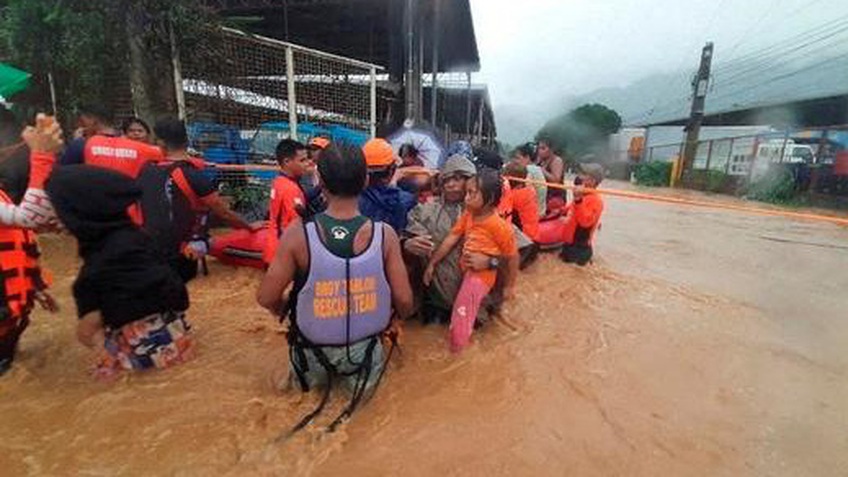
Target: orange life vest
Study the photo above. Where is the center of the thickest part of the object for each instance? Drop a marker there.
(120, 154)
(19, 271)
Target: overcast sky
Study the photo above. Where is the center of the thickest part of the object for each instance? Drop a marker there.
(544, 50)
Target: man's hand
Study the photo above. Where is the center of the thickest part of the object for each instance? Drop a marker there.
(476, 261)
(428, 274)
(257, 226)
(46, 301)
(46, 136)
(394, 333)
(421, 245)
(509, 293)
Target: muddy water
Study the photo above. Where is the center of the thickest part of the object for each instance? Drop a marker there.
(700, 343)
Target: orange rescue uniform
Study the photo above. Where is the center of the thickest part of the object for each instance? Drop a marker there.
(287, 199)
(582, 219)
(120, 154)
(526, 211)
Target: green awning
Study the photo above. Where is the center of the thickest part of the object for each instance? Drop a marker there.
(12, 81)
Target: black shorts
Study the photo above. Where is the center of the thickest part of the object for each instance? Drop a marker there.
(579, 254)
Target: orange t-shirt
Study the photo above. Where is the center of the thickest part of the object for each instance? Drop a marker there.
(491, 236)
(286, 198)
(526, 211)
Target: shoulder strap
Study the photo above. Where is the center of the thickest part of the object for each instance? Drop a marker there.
(181, 181)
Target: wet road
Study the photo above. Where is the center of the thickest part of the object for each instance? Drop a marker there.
(700, 343)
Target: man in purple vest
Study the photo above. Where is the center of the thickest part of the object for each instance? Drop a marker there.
(350, 285)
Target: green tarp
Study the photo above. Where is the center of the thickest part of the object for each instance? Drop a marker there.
(12, 81)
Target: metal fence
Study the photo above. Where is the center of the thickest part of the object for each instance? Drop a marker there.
(817, 159)
(241, 94)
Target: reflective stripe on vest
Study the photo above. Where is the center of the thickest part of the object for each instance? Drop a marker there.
(322, 303)
(19, 272)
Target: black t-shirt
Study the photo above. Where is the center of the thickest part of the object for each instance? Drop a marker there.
(126, 279)
(167, 211)
(74, 153)
(197, 180)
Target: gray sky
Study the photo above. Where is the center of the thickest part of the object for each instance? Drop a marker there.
(536, 51)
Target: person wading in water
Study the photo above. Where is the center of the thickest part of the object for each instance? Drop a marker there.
(350, 287)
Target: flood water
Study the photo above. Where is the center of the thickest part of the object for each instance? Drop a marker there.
(699, 343)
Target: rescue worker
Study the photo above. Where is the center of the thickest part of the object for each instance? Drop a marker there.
(314, 202)
(309, 181)
(176, 200)
(288, 200)
(350, 286)
(583, 215)
(130, 303)
(22, 281)
(525, 208)
(102, 145)
(554, 169)
(382, 200)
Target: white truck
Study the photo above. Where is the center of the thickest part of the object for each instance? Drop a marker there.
(781, 151)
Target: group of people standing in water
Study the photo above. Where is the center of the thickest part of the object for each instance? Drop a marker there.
(352, 231)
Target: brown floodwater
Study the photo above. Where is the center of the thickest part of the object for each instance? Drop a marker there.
(699, 343)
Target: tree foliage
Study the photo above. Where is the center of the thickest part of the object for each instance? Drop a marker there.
(87, 47)
(581, 131)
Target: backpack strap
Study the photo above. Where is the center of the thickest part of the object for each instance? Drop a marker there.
(181, 181)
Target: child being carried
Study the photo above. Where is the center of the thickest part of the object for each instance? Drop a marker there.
(484, 232)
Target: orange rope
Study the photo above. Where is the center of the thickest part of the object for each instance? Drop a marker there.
(698, 203)
(628, 195)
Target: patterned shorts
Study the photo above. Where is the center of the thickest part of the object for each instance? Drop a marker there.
(157, 341)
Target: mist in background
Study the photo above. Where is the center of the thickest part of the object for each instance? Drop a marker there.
(543, 57)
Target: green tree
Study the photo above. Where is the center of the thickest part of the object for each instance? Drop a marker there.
(101, 51)
(581, 131)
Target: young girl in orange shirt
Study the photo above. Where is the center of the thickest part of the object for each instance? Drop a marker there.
(484, 232)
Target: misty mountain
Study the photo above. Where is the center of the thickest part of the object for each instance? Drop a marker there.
(666, 96)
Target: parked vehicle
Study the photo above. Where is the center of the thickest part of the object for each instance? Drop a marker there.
(781, 152)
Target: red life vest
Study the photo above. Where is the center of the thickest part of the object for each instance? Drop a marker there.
(19, 272)
(120, 154)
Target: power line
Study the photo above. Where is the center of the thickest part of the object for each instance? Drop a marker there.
(788, 42)
(756, 25)
(786, 57)
(821, 65)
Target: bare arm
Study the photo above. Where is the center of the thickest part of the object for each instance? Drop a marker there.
(396, 274)
(36, 211)
(510, 276)
(220, 209)
(445, 248)
(281, 272)
(556, 172)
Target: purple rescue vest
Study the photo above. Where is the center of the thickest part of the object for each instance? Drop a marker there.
(335, 285)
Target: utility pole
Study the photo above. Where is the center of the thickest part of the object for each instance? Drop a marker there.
(696, 116)
(434, 87)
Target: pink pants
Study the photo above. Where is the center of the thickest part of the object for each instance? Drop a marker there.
(465, 309)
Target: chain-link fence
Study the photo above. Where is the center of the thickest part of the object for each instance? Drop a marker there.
(242, 94)
(816, 160)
